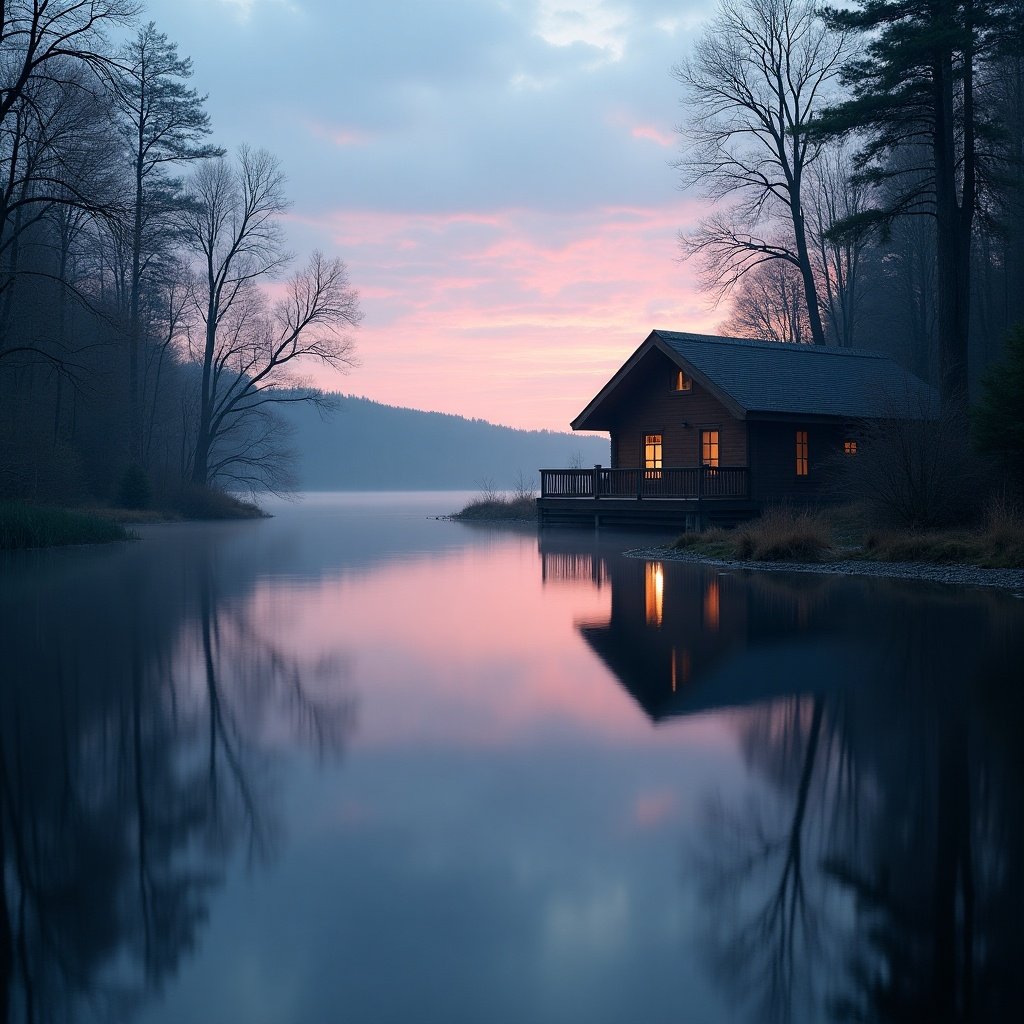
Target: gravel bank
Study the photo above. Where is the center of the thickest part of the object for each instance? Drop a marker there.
(961, 575)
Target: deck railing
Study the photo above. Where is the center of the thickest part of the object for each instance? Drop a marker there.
(701, 482)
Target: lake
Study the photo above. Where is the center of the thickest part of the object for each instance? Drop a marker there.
(358, 763)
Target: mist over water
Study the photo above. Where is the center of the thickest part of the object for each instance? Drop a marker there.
(355, 762)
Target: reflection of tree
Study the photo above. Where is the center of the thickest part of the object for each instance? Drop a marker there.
(772, 930)
(135, 755)
(876, 873)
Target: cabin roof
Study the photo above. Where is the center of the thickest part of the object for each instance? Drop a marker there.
(776, 379)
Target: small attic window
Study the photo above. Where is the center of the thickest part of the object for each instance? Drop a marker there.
(680, 382)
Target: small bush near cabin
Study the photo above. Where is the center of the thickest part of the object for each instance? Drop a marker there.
(783, 534)
(997, 544)
(918, 473)
(780, 534)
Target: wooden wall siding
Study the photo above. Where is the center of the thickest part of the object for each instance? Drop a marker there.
(648, 405)
(773, 460)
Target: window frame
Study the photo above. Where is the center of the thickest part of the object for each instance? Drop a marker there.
(714, 459)
(803, 454)
(684, 377)
(653, 463)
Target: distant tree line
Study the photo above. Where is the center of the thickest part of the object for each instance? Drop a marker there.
(868, 169)
(141, 354)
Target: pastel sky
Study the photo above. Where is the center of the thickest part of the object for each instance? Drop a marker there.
(496, 174)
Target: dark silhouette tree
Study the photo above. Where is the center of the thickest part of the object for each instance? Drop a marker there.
(163, 123)
(249, 350)
(917, 84)
(758, 75)
(999, 416)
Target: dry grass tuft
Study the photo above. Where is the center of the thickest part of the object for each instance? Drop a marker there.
(780, 534)
(997, 544)
(499, 507)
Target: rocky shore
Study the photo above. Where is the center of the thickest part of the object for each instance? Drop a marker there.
(960, 575)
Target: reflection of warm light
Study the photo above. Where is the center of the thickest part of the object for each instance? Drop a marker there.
(654, 592)
(711, 610)
(680, 668)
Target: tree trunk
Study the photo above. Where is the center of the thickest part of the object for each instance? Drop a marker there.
(954, 220)
(806, 273)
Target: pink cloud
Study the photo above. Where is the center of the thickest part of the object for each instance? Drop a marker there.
(649, 132)
(517, 316)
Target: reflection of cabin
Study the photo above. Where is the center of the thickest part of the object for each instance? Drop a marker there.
(713, 428)
(685, 639)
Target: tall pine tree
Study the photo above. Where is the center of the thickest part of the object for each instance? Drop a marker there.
(163, 122)
(915, 89)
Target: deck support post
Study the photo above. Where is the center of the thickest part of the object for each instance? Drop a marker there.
(597, 481)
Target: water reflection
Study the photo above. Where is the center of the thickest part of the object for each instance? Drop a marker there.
(584, 787)
(870, 868)
(138, 718)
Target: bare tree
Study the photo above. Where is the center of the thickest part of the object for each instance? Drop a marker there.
(250, 353)
(56, 151)
(50, 43)
(769, 304)
(834, 195)
(757, 77)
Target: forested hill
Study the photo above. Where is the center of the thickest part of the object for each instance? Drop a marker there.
(369, 446)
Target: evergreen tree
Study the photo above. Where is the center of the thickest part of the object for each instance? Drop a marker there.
(915, 87)
(163, 123)
(999, 417)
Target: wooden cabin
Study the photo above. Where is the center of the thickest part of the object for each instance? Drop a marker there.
(706, 428)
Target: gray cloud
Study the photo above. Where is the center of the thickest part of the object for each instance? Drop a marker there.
(455, 104)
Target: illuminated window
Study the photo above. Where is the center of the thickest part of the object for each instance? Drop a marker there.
(652, 456)
(654, 592)
(849, 447)
(709, 447)
(682, 382)
(801, 453)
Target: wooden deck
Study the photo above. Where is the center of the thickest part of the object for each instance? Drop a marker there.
(685, 499)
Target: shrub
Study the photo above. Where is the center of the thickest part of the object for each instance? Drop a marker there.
(782, 534)
(999, 418)
(37, 526)
(914, 472)
(498, 508)
(195, 502)
(134, 491)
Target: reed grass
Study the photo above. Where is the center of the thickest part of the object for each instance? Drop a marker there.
(41, 526)
(782, 534)
(499, 507)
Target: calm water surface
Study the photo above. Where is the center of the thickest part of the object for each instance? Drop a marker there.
(357, 764)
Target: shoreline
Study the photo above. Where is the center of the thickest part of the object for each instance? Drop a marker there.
(929, 572)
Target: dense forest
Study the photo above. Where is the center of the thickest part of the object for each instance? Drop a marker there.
(867, 171)
(141, 356)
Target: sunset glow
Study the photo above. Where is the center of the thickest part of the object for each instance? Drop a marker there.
(515, 316)
(500, 186)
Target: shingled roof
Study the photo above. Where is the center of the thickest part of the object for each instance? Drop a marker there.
(773, 379)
